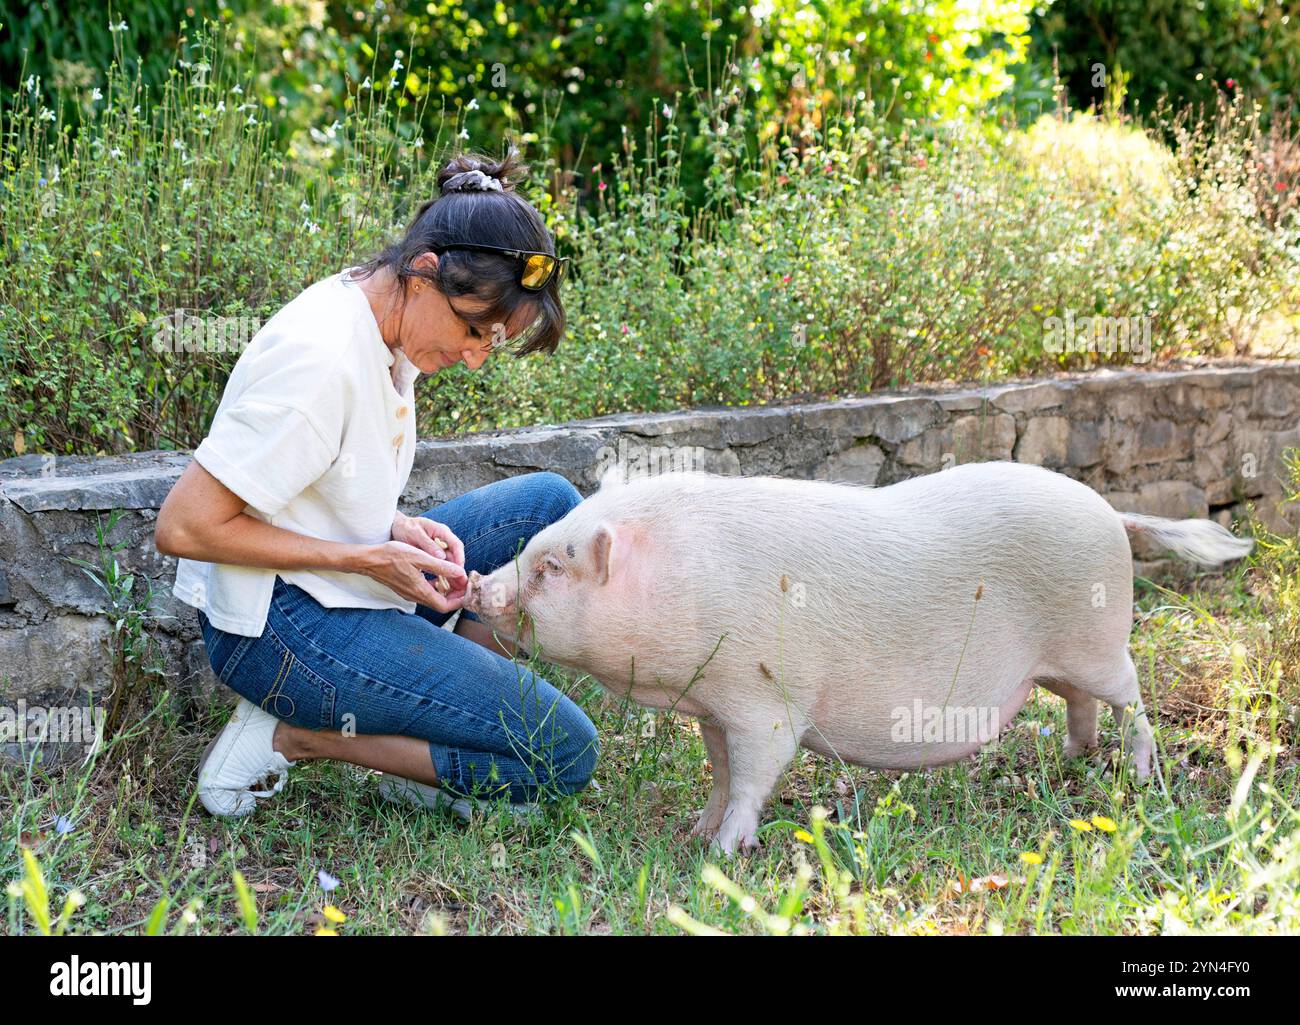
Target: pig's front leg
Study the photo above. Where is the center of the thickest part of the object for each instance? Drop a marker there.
(715, 742)
(757, 754)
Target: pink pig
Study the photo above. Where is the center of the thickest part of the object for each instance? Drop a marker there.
(879, 626)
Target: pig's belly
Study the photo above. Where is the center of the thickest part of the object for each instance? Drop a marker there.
(924, 735)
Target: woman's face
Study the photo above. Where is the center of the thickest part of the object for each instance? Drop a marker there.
(435, 336)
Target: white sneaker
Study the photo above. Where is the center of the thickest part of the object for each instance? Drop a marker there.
(239, 757)
(401, 790)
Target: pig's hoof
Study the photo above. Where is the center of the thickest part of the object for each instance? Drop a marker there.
(707, 824)
(702, 828)
(1077, 748)
(735, 836)
(742, 846)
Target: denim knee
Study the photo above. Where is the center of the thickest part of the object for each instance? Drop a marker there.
(576, 763)
(558, 494)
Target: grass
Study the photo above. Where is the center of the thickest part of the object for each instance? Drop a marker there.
(985, 845)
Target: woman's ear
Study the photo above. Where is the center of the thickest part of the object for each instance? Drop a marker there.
(426, 263)
(603, 552)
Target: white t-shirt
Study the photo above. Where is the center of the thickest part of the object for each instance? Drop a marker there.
(316, 433)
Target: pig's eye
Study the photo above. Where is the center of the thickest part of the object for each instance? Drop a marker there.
(549, 565)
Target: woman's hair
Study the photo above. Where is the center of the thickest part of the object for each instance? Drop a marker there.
(478, 204)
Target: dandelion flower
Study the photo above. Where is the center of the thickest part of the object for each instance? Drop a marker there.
(333, 914)
(1104, 824)
(1081, 825)
(322, 931)
(803, 836)
(1031, 858)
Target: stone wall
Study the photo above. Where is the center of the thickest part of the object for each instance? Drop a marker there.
(1204, 442)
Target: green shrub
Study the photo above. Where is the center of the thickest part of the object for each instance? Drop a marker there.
(860, 261)
(1171, 52)
(148, 205)
(840, 256)
(575, 70)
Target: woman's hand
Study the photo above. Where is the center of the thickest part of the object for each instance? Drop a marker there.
(203, 519)
(434, 538)
(401, 568)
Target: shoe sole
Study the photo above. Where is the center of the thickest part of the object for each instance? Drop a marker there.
(414, 794)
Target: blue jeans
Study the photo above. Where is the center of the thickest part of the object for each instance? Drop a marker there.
(493, 727)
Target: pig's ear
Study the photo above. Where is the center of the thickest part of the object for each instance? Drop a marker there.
(603, 552)
(611, 477)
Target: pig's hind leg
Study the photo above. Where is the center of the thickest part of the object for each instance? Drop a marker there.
(1116, 683)
(1080, 716)
(715, 742)
(758, 751)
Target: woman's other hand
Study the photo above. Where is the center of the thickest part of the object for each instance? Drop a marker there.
(434, 538)
(401, 567)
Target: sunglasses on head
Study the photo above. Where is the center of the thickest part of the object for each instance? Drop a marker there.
(537, 268)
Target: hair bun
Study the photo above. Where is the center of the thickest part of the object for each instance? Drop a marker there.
(470, 181)
(473, 172)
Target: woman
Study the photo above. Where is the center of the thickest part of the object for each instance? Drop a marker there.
(315, 595)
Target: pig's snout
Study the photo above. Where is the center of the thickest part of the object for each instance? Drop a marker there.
(490, 596)
(472, 592)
